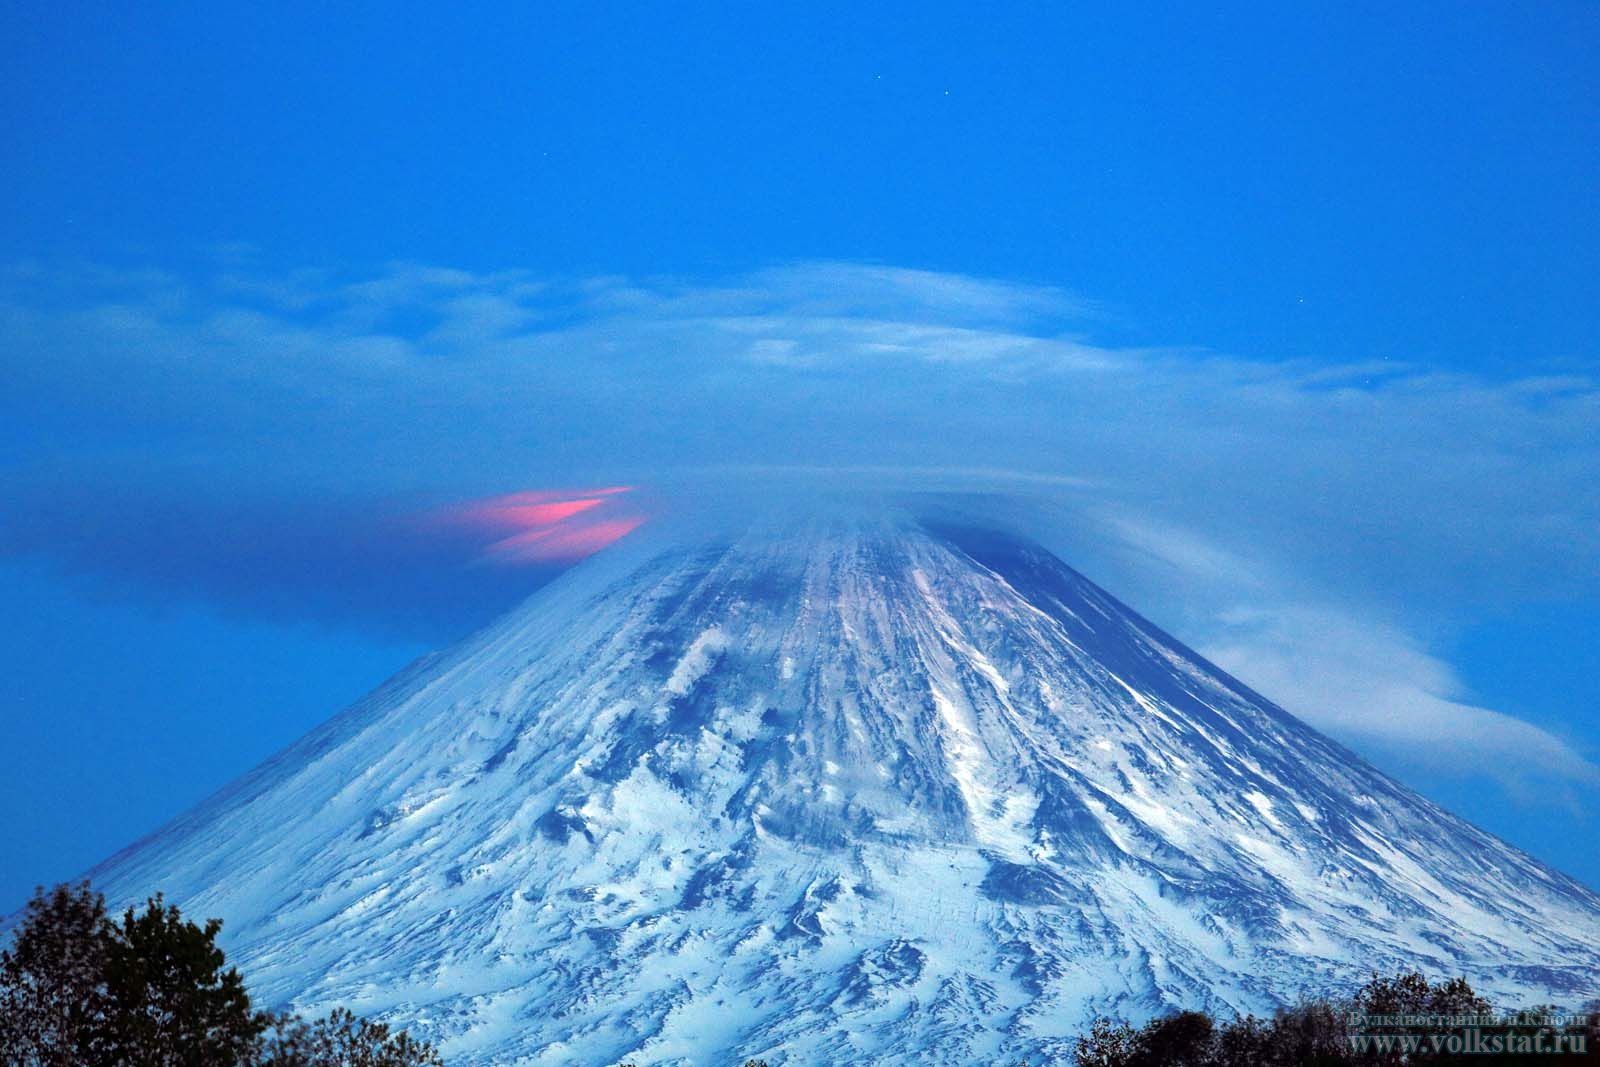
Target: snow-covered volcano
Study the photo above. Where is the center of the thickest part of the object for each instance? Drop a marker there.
(839, 792)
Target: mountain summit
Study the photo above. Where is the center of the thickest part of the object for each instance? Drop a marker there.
(849, 791)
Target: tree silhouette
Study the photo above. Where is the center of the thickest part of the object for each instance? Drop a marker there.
(342, 1040)
(153, 990)
(53, 999)
(171, 1000)
(1403, 1019)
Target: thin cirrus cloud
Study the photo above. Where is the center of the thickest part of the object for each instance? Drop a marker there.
(293, 441)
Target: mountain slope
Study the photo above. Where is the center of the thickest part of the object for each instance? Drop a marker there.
(840, 790)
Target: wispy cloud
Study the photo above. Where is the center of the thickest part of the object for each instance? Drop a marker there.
(1300, 520)
(1377, 688)
(547, 525)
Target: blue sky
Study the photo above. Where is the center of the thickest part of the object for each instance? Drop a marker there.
(1285, 322)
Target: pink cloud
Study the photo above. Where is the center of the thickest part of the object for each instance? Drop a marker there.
(549, 525)
(569, 541)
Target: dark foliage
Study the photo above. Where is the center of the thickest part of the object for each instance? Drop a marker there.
(79, 990)
(169, 998)
(53, 997)
(342, 1040)
(1359, 1032)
